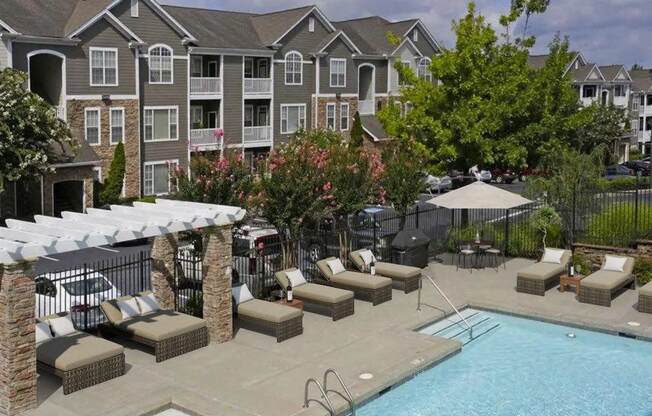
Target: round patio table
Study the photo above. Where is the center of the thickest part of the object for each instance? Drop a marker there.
(479, 247)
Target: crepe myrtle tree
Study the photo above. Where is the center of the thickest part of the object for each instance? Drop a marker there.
(33, 137)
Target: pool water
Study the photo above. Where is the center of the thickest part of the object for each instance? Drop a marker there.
(529, 368)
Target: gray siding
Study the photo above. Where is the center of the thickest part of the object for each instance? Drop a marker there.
(232, 122)
(338, 49)
(381, 72)
(300, 39)
(102, 35)
(149, 26)
(167, 95)
(4, 54)
(289, 94)
(423, 45)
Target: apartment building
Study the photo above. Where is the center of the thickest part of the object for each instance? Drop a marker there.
(641, 109)
(170, 82)
(603, 84)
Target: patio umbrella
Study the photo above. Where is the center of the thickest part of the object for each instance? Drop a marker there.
(479, 195)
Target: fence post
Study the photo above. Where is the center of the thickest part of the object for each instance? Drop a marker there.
(507, 232)
(416, 221)
(573, 219)
(636, 202)
(374, 233)
(85, 297)
(141, 269)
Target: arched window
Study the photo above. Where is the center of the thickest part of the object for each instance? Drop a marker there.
(293, 68)
(160, 65)
(423, 69)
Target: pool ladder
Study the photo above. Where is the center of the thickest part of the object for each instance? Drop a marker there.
(324, 390)
(443, 295)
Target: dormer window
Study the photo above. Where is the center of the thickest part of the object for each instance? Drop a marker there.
(134, 8)
(415, 35)
(311, 24)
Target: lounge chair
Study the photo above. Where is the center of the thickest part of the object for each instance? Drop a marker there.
(537, 278)
(170, 333)
(645, 298)
(601, 287)
(81, 360)
(337, 302)
(403, 277)
(278, 320)
(374, 289)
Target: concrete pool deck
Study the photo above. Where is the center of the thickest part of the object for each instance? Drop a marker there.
(254, 375)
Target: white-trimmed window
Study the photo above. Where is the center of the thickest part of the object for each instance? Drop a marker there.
(293, 68)
(344, 116)
(160, 65)
(330, 116)
(104, 66)
(293, 118)
(92, 126)
(423, 69)
(338, 72)
(134, 8)
(161, 123)
(160, 177)
(117, 124)
(311, 24)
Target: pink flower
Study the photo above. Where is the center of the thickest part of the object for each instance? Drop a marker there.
(219, 133)
(327, 186)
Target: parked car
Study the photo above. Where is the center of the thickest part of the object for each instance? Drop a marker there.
(256, 252)
(617, 171)
(527, 172)
(74, 291)
(480, 174)
(500, 175)
(437, 184)
(638, 166)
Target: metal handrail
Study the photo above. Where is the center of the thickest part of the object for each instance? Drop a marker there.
(306, 401)
(348, 397)
(443, 295)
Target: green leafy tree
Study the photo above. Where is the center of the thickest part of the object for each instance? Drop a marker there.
(597, 125)
(545, 219)
(637, 67)
(33, 137)
(112, 188)
(357, 133)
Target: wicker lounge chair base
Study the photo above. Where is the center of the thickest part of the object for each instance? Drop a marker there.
(281, 330)
(408, 285)
(88, 375)
(602, 297)
(375, 296)
(644, 303)
(535, 286)
(336, 311)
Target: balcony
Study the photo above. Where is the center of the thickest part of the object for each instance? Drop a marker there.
(258, 86)
(366, 107)
(202, 87)
(205, 140)
(644, 136)
(257, 136)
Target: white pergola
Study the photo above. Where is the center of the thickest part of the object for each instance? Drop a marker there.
(23, 240)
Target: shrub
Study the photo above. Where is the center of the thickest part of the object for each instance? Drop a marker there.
(581, 263)
(619, 184)
(643, 271)
(357, 132)
(112, 189)
(617, 225)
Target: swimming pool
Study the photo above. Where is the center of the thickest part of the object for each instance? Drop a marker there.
(529, 368)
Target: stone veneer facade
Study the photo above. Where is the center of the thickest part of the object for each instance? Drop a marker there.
(595, 254)
(17, 339)
(217, 265)
(105, 149)
(78, 173)
(163, 252)
(320, 111)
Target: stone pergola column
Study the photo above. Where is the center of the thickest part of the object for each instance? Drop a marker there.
(164, 250)
(217, 265)
(17, 339)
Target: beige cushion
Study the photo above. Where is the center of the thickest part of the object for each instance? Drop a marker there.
(603, 279)
(324, 269)
(646, 290)
(336, 266)
(361, 280)
(268, 311)
(357, 260)
(541, 271)
(282, 278)
(552, 255)
(111, 310)
(321, 293)
(397, 271)
(76, 350)
(160, 325)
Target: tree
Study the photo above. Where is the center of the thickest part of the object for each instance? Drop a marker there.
(33, 137)
(357, 132)
(637, 67)
(544, 219)
(112, 189)
(597, 125)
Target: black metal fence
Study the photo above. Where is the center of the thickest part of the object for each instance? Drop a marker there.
(188, 282)
(80, 290)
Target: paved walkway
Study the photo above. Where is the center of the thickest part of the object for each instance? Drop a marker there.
(254, 375)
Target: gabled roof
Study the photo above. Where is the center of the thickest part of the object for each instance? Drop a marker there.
(374, 128)
(583, 73)
(615, 73)
(272, 27)
(341, 35)
(410, 44)
(539, 61)
(641, 80)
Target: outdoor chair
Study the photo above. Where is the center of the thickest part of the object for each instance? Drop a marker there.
(645, 298)
(537, 278)
(465, 251)
(494, 253)
(81, 360)
(615, 275)
(374, 289)
(280, 321)
(336, 303)
(403, 277)
(170, 333)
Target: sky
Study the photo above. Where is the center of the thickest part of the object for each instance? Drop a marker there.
(605, 31)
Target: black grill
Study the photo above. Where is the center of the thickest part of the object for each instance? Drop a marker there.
(410, 248)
